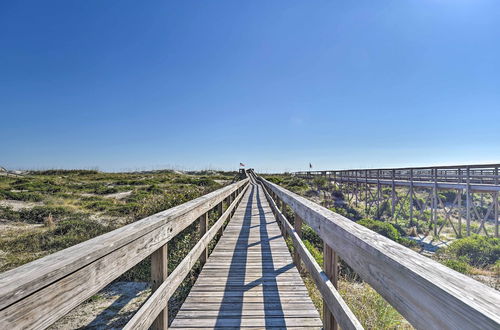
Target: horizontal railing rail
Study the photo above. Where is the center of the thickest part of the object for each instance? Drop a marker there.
(467, 174)
(37, 294)
(429, 295)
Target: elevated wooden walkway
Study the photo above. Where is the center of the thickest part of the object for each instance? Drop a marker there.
(250, 279)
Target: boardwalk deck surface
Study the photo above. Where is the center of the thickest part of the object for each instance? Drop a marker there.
(249, 280)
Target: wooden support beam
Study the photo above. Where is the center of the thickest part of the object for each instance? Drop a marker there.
(330, 262)
(468, 201)
(297, 226)
(411, 198)
(203, 229)
(496, 203)
(220, 211)
(159, 272)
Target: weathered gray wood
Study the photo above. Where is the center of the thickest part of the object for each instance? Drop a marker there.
(37, 294)
(203, 229)
(249, 279)
(297, 226)
(159, 272)
(331, 298)
(415, 285)
(159, 299)
(330, 261)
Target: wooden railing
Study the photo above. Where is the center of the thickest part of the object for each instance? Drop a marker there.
(484, 177)
(428, 294)
(37, 294)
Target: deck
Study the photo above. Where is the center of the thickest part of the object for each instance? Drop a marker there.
(250, 279)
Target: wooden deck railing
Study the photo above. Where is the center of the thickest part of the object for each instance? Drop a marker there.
(428, 294)
(37, 294)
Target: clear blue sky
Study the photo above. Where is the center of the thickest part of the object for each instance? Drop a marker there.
(274, 84)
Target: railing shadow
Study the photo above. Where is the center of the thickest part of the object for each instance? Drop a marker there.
(233, 300)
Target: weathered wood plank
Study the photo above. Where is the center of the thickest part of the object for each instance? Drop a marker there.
(250, 279)
(159, 272)
(245, 322)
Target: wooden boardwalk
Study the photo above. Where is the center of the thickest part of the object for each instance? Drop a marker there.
(249, 279)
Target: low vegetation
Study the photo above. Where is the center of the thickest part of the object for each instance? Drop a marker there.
(47, 211)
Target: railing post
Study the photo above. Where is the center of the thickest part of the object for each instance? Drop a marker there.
(220, 211)
(330, 264)
(468, 201)
(297, 226)
(495, 200)
(459, 202)
(434, 201)
(393, 196)
(159, 272)
(411, 198)
(203, 229)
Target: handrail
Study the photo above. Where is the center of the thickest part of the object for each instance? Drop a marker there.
(426, 293)
(418, 167)
(331, 296)
(485, 176)
(37, 294)
(145, 316)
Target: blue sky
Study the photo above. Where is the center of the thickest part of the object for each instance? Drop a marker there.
(124, 85)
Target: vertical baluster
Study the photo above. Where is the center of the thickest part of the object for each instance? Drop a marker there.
(203, 229)
(495, 200)
(411, 198)
(297, 226)
(220, 211)
(330, 265)
(159, 272)
(468, 200)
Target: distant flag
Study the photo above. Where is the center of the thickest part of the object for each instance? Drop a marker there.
(241, 164)
(310, 165)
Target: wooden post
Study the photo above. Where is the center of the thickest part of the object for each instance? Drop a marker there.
(330, 264)
(220, 211)
(203, 229)
(459, 207)
(297, 226)
(378, 194)
(496, 206)
(393, 196)
(467, 201)
(411, 198)
(366, 192)
(434, 201)
(159, 272)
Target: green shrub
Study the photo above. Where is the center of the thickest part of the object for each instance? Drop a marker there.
(38, 213)
(460, 266)
(8, 213)
(203, 181)
(65, 234)
(409, 243)
(478, 251)
(321, 182)
(21, 196)
(104, 190)
(308, 234)
(66, 172)
(448, 196)
(317, 254)
(346, 211)
(383, 228)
